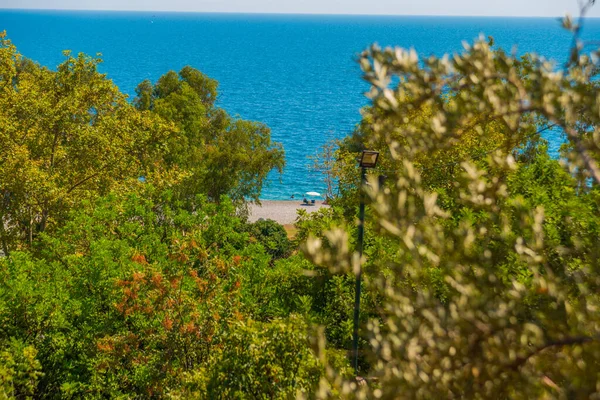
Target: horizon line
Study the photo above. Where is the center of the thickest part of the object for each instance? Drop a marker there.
(286, 13)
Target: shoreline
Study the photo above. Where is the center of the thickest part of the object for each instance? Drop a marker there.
(283, 212)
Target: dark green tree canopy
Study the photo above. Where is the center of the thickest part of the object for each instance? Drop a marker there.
(223, 155)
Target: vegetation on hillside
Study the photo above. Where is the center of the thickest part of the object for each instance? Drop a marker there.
(130, 272)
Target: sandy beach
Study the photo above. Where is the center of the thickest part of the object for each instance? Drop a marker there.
(283, 212)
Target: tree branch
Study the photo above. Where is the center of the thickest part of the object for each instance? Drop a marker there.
(81, 182)
(519, 362)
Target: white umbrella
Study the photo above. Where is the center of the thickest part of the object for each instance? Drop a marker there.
(313, 194)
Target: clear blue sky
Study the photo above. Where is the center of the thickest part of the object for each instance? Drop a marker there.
(547, 8)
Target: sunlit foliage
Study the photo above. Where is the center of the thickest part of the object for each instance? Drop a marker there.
(66, 136)
(223, 155)
(491, 288)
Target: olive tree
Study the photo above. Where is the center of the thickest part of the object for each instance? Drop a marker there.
(514, 312)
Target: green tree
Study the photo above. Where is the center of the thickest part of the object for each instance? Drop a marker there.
(125, 299)
(67, 136)
(324, 163)
(491, 289)
(223, 155)
(272, 236)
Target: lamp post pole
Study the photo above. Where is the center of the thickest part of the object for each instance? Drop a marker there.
(367, 160)
(357, 290)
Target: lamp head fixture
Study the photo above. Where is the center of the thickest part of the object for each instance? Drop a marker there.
(369, 159)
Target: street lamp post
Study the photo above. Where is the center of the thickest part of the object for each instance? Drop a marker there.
(367, 160)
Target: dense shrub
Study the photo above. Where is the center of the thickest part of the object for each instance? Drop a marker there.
(272, 236)
(131, 298)
(265, 361)
(19, 371)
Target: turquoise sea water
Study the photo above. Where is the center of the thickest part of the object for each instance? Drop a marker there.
(296, 73)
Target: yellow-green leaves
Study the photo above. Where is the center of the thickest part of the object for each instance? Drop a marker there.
(493, 272)
(66, 136)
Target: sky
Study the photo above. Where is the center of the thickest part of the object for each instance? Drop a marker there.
(542, 8)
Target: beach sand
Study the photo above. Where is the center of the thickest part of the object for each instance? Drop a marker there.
(283, 212)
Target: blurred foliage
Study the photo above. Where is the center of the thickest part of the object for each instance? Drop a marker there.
(489, 282)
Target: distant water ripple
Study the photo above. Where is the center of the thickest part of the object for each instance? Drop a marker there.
(295, 73)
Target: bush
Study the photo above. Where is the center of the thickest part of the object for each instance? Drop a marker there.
(19, 370)
(272, 236)
(265, 361)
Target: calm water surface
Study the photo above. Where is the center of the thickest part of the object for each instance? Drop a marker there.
(296, 73)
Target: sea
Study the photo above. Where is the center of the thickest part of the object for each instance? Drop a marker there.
(296, 73)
